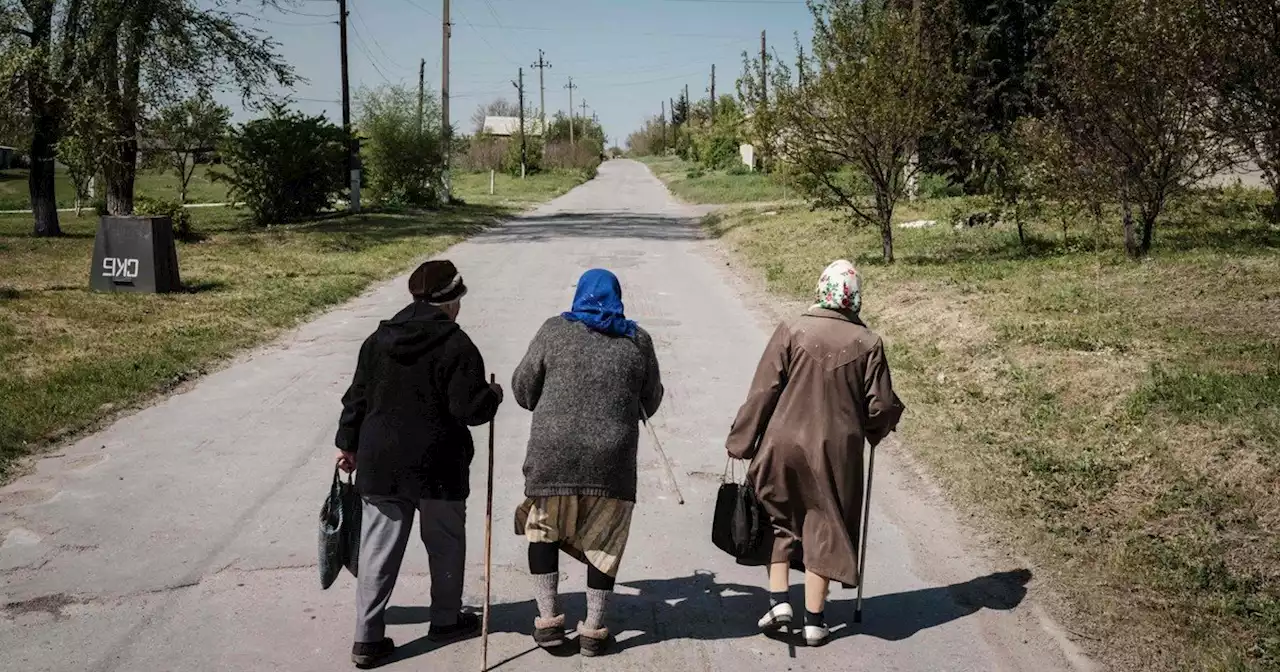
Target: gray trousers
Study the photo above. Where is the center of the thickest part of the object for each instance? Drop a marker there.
(384, 535)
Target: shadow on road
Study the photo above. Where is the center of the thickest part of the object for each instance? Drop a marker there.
(699, 608)
(537, 228)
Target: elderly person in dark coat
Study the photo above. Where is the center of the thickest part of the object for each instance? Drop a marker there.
(821, 392)
(419, 383)
(590, 377)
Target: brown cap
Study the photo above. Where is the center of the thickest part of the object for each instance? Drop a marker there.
(437, 282)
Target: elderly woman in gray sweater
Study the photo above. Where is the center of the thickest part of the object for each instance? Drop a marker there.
(590, 377)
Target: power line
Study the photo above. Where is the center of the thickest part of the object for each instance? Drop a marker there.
(386, 58)
(744, 2)
(708, 36)
(484, 39)
(420, 8)
(364, 48)
(286, 10)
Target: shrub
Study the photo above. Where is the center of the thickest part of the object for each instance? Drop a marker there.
(164, 207)
(560, 155)
(739, 169)
(933, 185)
(284, 166)
(484, 152)
(403, 159)
(695, 173)
(533, 155)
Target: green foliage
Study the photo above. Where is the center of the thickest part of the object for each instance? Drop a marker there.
(1130, 82)
(185, 129)
(871, 90)
(738, 169)
(160, 207)
(285, 166)
(933, 185)
(402, 154)
(511, 159)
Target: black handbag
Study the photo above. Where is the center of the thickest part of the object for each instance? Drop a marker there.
(740, 526)
(339, 542)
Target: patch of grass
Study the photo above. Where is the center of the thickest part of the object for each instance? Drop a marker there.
(695, 185)
(14, 193)
(514, 192)
(69, 356)
(1120, 421)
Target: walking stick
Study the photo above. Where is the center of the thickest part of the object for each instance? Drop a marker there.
(866, 519)
(666, 463)
(488, 549)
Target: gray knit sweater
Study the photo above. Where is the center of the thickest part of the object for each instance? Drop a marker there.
(585, 390)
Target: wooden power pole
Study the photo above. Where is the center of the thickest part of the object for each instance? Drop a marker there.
(523, 147)
(764, 71)
(571, 86)
(713, 93)
(542, 65)
(446, 130)
(662, 121)
(349, 164)
(422, 81)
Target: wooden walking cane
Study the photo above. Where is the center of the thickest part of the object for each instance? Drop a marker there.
(488, 548)
(666, 463)
(866, 520)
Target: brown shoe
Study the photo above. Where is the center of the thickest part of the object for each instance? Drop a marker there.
(548, 633)
(370, 654)
(594, 641)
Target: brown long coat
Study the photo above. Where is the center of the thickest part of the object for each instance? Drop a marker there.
(821, 392)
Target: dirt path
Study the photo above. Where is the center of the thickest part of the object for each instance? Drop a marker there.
(183, 537)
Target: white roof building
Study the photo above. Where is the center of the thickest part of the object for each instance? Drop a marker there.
(506, 127)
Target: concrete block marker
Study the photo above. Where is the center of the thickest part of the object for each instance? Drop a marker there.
(135, 254)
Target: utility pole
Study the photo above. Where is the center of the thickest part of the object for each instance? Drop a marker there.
(764, 71)
(349, 166)
(542, 65)
(446, 130)
(583, 105)
(688, 105)
(571, 86)
(523, 151)
(713, 93)
(662, 121)
(422, 80)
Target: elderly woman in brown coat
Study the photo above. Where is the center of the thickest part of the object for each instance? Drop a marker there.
(821, 392)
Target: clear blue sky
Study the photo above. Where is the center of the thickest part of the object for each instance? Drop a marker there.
(625, 55)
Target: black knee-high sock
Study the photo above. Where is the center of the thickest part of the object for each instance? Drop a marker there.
(544, 558)
(811, 618)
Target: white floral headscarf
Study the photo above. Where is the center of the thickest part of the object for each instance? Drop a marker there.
(840, 288)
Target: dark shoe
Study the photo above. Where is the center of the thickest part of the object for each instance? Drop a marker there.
(468, 625)
(549, 632)
(370, 654)
(594, 642)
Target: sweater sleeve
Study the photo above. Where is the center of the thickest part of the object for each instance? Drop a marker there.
(355, 403)
(471, 399)
(770, 379)
(526, 382)
(652, 393)
(884, 409)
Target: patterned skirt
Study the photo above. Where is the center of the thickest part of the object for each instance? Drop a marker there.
(592, 530)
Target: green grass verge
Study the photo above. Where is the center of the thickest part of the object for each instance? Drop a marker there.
(694, 185)
(515, 192)
(14, 193)
(69, 357)
(1121, 420)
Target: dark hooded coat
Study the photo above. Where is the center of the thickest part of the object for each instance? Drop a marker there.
(419, 384)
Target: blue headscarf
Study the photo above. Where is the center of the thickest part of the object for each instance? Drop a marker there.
(598, 304)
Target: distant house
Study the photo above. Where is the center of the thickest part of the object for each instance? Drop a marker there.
(7, 156)
(506, 127)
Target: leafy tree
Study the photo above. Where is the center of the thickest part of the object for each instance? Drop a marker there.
(183, 130)
(1131, 98)
(160, 46)
(1248, 35)
(871, 89)
(284, 166)
(404, 159)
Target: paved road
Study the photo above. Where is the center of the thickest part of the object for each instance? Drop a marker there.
(183, 537)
